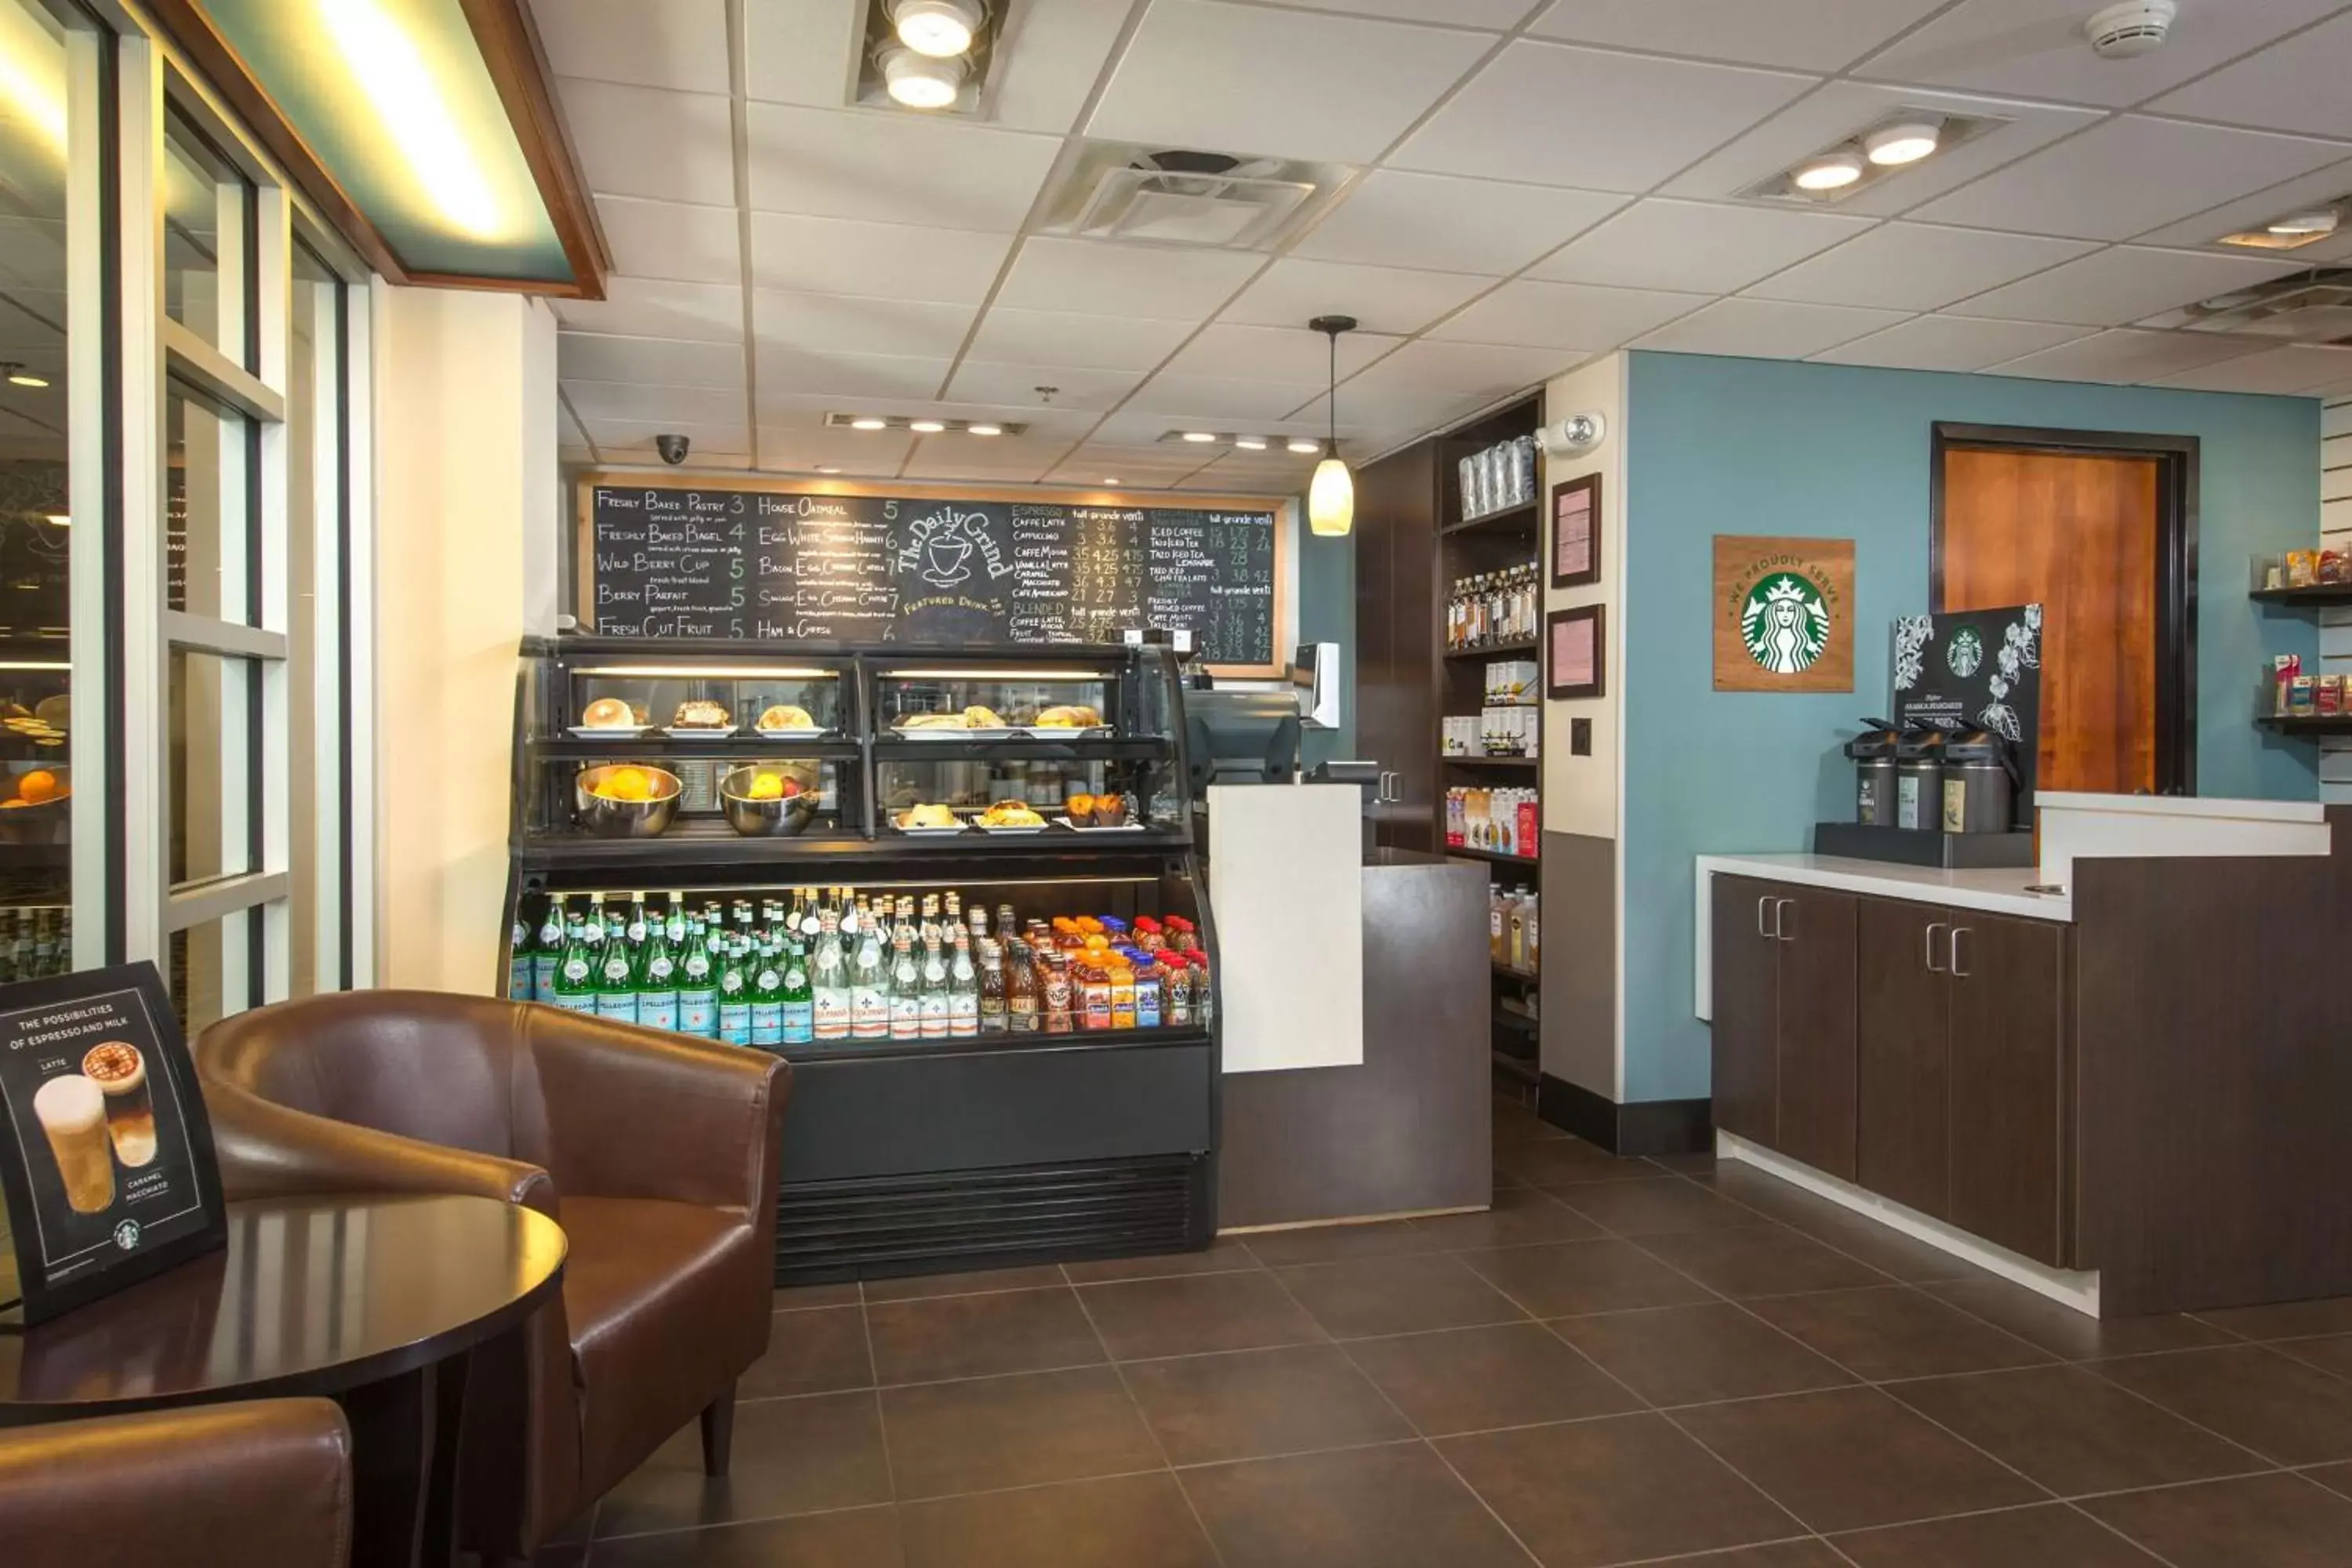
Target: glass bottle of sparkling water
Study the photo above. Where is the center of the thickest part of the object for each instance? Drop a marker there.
(616, 978)
(768, 999)
(548, 955)
(829, 980)
(906, 991)
(697, 985)
(799, 1003)
(657, 976)
(869, 986)
(575, 973)
(963, 986)
(519, 983)
(936, 1006)
(735, 991)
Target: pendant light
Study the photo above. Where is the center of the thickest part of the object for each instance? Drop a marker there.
(1331, 498)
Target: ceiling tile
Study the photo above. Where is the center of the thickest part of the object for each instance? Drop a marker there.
(643, 142)
(672, 241)
(1052, 56)
(1465, 369)
(1695, 248)
(1443, 224)
(2123, 284)
(680, 44)
(1100, 279)
(804, 52)
(1918, 267)
(2298, 85)
(1089, 343)
(644, 308)
(2127, 176)
(1420, 409)
(938, 461)
(687, 406)
(1555, 115)
(655, 361)
(1015, 386)
(1497, 16)
(842, 256)
(1950, 343)
(893, 167)
(1841, 109)
(1231, 404)
(2127, 355)
(1239, 78)
(1292, 292)
(2035, 48)
(614, 438)
(858, 452)
(1565, 315)
(2298, 368)
(1224, 350)
(1767, 329)
(841, 325)
(797, 372)
(2325, 183)
(1814, 35)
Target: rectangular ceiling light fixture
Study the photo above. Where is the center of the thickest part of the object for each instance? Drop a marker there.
(1898, 140)
(933, 57)
(922, 424)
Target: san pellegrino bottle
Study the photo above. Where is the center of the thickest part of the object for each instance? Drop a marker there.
(869, 984)
(520, 969)
(697, 984)
(963, 986)
(548, 955)
(575, 975)
(768, 999)
(616, 978)
(735, 991)
(657, 974)
(829, 982)
(636, 926)
(936, 1006)
(799, 1004)
(905, 990)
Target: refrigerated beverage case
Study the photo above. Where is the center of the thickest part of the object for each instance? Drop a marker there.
(829, 980)
(906, 989)
(548, 955)
(735, 992)
(869, 984)
(768, 999)
(657, 974)
(963, 988)
(697, 984)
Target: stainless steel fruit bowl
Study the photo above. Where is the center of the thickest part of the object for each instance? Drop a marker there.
(783, 817)
(609, 819)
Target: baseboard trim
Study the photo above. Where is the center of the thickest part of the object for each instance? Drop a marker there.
(1643, 1127)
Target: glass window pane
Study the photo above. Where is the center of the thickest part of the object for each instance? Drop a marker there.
(211, 967)
(206, 202)
(215, 785)
(312, 460)
(209, 522)
(36, 513)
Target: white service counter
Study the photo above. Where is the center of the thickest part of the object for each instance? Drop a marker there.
(1286, 887)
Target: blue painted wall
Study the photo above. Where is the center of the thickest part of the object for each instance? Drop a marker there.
(1327, 613)
(1769, 447)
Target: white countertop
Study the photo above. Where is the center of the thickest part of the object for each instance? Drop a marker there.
(2209, 807)
(1999, 892)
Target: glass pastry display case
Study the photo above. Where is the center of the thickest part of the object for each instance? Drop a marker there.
(958, 891)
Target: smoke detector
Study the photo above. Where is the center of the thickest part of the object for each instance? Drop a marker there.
(2130, 29)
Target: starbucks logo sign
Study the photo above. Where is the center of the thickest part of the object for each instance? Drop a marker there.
(1785, 623)
(1965, 652)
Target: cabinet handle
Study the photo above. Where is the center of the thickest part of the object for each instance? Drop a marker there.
(1761, 904)
(1781, 919)
(1958, 972)
(1933, 967)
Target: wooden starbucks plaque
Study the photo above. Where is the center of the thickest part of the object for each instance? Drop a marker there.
(1783, 614)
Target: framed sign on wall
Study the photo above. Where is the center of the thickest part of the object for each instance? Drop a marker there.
(1783, 614)
(105, 1154)
(1575, 532)
(1573, 656)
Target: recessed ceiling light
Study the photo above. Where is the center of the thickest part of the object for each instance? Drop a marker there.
(823, 468)
(1890, 146)
(919, 81)
(936, 27)
(926, 427)
(1304, 446)
(1830, 171)
(1110, 480)
(19, 376)
(2319, 220)
(1200, 437)
(869, 422)
(1250, 443)
(984, 430)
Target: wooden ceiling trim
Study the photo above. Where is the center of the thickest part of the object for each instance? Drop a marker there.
(509, 40)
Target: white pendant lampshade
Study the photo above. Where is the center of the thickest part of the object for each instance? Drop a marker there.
(1331, 499)
(1331, 496)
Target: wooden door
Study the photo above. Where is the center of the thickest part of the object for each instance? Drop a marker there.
(2008, 988)
(2077, 533)
(1746, 976)
(1902, 1095)
(1815, 931)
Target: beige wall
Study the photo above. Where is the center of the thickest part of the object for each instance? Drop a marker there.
(1581, 792)
(466, 527)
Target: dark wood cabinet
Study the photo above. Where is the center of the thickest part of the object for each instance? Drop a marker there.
(2006, 1020)
(1903, 1093)
(1397, 608)
(1746, 975)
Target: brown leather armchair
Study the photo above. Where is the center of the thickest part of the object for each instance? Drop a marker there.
(220, 1486)
(656, 1153)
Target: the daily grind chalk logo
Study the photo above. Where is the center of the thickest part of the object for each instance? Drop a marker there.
(1783, 614)
(1785, 623)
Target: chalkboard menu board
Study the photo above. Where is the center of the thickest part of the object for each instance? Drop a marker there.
(678, 563)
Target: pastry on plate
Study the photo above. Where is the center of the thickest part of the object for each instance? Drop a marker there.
(608, 713)
(1011, 814)
(928, 816)
(784, 716)
(1069, 716)
(979, 717)
(933, 721)
(701, 713)
(1081, 809)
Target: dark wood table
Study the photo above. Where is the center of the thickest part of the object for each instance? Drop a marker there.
(376, 1302)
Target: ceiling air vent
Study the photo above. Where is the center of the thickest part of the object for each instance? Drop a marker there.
(1202, 200)
(2315, 308)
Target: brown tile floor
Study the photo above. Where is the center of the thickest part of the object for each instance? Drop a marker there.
(1627, 1361)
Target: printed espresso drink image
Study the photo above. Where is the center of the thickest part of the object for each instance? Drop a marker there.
(71, 1110)
(118, 1070)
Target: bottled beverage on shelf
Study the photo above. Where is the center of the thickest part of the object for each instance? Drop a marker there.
(735, 975)
(964, 985)
(697, 982)
(768, 994)
(576, 975)
(548, 952)
(829, 980)
(1492, 607)
(1499, 821)
(906, 989)
(1022, 1015)
(521, 986)
(869, 983)
(657, 982)
(935, 1006)
(994, 1016)
(799, 1000)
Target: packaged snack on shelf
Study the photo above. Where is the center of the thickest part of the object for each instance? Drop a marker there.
(2303, 697)
(2301, 568)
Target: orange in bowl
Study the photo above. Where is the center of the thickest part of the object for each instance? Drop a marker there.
(626, 783)
(39, 786)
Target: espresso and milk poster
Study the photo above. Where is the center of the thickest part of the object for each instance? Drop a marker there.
(105, 1151)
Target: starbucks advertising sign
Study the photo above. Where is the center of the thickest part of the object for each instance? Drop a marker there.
(1783, 614)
